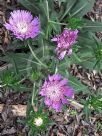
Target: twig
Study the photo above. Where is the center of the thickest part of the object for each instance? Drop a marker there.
(76, 104)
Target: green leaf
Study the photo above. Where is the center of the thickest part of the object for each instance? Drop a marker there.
(69, 4)
(92, 26)
(89, 64)
(84, 40)
(8, 78)
(74, 58)
(75, 23)
(96, 101)
(77, 85)
(87, 110)
(30, 5)
(21, 59)
(15, 66)
(82, 7)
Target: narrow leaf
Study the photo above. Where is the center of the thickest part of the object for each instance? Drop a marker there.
(82, 7)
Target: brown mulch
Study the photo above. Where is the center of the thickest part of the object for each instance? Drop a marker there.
(66, 125)
(96, 14)
(90, 78)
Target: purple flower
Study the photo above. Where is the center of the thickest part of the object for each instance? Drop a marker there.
(55, 90)
(64, 42)
(23, 25)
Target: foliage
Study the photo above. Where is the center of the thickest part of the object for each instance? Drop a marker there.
(11, 80)
(31, 121)
(36, 59)
(94, 102)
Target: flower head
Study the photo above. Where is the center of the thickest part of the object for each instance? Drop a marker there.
(38, 121)
(55, 90)
(64, 42)
(23, 25)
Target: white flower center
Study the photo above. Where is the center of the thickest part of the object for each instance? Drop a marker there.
(38, 121)
(22, 27)
(53, 92)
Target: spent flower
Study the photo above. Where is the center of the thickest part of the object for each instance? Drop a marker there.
(23, 25)
(56, 92)
(64, 42)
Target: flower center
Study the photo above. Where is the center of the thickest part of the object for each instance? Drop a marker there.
(38, 121)
(22, 27)
(53, 92)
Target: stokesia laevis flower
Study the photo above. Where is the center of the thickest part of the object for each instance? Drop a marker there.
(56, 90)
(64, 42)
(23, 25)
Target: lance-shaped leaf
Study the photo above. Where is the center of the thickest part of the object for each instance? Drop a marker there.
(92, 26)
(68, 6)
(77, 85)
(30, 5)
(82, 7)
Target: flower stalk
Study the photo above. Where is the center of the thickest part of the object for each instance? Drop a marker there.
(34, 55)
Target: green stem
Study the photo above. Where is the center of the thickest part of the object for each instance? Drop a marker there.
(56, 70)
(33, 95)
(66, 13)
(48, 18)
(34, 55)
(43, 47)
(47, 8)
(57, 23)
(47, 31)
